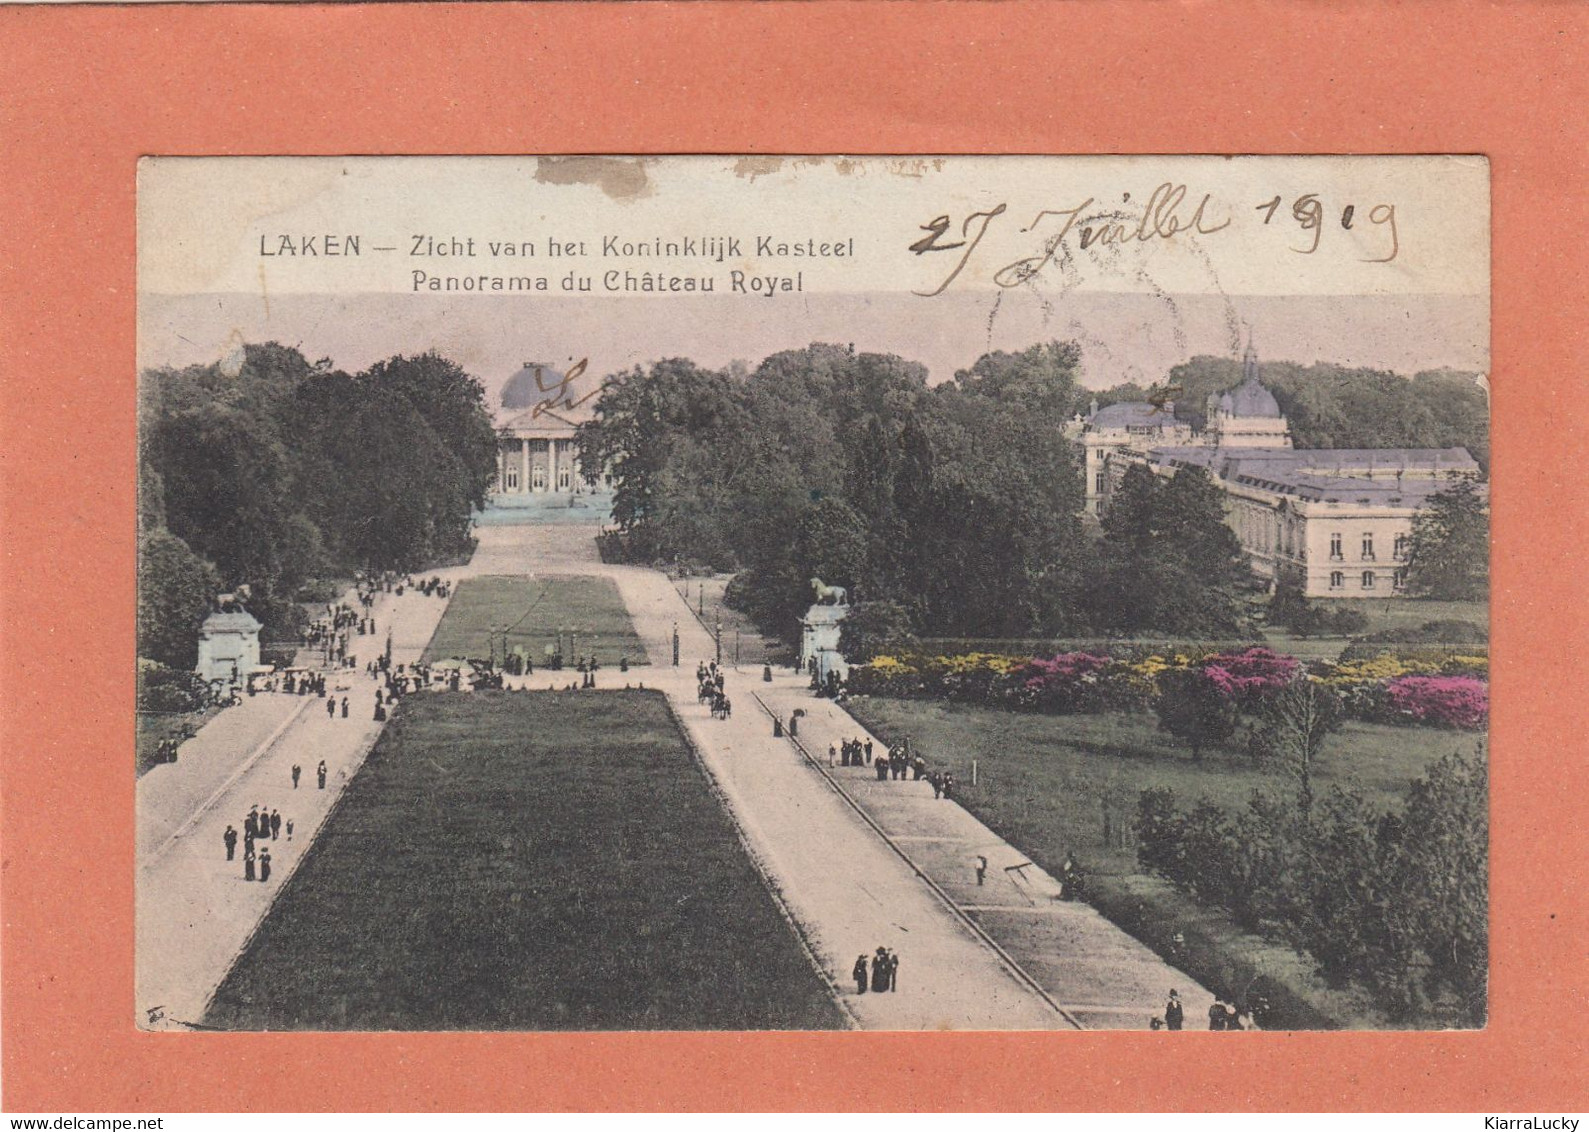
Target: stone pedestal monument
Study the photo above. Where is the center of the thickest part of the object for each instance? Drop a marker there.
(819, 631)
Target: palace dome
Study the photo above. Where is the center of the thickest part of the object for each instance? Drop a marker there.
(1250, 399)
(531, 385)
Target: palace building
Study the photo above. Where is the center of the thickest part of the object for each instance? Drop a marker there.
(1338, 520)
(539, 411)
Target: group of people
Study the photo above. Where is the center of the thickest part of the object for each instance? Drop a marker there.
(261, 824)
(1222, 1015)
(388, 581)
(896, 764)
(304, 683)
(884, 974)
(709, 690)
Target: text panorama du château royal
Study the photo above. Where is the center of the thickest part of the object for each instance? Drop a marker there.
(577, 254)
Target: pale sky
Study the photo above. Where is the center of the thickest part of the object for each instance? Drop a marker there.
(1365, 261)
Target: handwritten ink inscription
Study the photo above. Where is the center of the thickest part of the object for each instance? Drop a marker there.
(558, 394)
(1167, 215)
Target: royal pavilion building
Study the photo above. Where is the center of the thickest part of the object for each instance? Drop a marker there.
(1338, 520)
(539, 411)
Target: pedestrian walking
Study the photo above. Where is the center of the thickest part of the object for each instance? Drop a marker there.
(264, 865)
(230, 839)
(275, 825)
(248, 861)
(1174, 1014)
(880, 969)
(1216, 1015)
(344, 707)
(296, 771)
(289, 829)
(982, 869)
(893, 971)
(331, 708)
(833, 754)
(320, 774)
(859, 974)
(251, 824)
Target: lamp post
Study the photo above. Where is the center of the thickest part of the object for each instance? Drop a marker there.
(719, 642)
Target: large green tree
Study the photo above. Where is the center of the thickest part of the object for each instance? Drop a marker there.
(175, 589)
(1449, 556)
(278, 469)
(452, 404)
(1168, 561)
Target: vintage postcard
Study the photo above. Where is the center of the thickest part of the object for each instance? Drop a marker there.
(813, 593)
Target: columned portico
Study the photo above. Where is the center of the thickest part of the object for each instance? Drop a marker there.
(537, 424)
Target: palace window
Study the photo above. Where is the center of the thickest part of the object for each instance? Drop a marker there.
(1368, 547)
(1337, 580)
(1097, 484)
(1335, 547)
(1402, 542)
(511, 480)
(563, 479)
(1398, 580)
(538, 478)
(1368, 579)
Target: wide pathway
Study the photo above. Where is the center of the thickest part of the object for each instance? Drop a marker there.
(843, 876)
(195, 912)
(896, 877)
(846, 888)
(1095, 972)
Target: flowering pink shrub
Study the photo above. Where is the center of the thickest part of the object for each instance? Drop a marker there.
(1072, 681)
(1462, 702)
(1248, 675)
(1377, 691)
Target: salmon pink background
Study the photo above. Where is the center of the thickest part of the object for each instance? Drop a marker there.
(86, 90)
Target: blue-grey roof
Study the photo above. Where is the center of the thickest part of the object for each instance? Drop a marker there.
(1323, 474)
(530, 386)
(1124, 414)
(1250, 399)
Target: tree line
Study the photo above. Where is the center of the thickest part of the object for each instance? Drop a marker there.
(1333, 406)
(280, 471)
(949, 510)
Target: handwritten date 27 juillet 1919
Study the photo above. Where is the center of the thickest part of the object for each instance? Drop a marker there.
(1166, 216)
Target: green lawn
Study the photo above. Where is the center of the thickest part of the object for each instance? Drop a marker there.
(588, 612)
(1042, 780)
(527, 861)
(1410, 613)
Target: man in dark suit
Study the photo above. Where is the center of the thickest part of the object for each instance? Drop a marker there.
(230, 838)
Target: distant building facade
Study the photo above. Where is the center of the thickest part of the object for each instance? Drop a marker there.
(538, 413)
(1337, 520)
